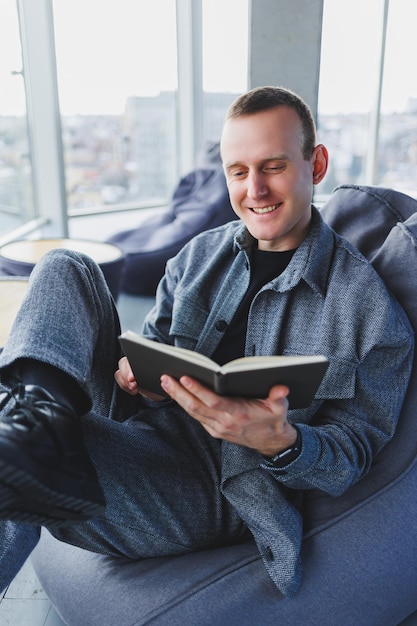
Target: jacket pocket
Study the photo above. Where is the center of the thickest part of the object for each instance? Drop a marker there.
(338, 382)
(188, 319)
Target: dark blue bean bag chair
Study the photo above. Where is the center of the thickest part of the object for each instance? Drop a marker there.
(200, 201)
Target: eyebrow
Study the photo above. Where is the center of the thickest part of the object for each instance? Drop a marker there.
(279, 157)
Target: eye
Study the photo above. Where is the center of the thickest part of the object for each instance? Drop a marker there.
(237, 173)
(274, 168)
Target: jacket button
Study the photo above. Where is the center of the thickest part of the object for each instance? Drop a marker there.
(221, 326)
(268, 554)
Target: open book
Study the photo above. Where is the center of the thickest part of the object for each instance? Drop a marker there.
(249, 377)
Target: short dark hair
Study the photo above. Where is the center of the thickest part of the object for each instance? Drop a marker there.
(265, 98)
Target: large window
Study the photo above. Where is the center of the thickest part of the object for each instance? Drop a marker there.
(110, 122)
(16, 192)
(368, 93)
(124, 117)
(117, 82)
(225, 59)
(397, 148)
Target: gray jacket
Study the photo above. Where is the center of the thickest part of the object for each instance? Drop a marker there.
(329, 301)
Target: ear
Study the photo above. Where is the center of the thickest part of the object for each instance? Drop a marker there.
(320, 161)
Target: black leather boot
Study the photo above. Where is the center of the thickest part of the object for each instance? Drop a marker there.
(46, 475)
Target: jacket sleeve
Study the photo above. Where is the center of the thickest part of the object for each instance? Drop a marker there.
(157, 323)
(341, 440)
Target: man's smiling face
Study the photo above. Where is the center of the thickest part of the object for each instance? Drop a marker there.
(270, 182)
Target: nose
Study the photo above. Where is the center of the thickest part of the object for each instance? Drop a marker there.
(257, 187)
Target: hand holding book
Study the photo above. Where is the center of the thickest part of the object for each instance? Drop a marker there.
(259, 424)
(249, 377)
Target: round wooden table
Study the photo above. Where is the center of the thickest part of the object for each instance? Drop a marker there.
(19, 257)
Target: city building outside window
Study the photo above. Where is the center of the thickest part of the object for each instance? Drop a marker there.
(118, 88)
(225, 60)
(397, 147)
(118, 93)
(117, 82)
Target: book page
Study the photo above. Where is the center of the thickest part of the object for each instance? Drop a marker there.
(264, 362)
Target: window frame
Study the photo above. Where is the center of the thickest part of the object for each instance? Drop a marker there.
(44, 120)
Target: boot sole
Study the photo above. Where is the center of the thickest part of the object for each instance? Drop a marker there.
(25, 499)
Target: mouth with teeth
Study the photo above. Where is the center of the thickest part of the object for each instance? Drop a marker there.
(265, 209)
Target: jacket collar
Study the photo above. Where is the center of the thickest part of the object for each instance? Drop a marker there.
(311, 262)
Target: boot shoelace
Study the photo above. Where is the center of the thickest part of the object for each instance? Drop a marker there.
(26, 413)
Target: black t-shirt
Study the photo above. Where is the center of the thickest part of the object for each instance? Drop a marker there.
(265, 265)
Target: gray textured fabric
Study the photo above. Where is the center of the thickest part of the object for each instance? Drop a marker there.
(396, 262)
(359, 552)
(361, 571)
(363, 350)
(365, 214)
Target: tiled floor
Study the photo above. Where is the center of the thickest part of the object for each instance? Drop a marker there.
(25, 604)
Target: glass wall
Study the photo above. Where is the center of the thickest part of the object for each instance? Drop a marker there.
(117, 82)
(117, 67)
(16, 188)
(397, 146)
(368, 93)
(119, 87)
(349, 70)
(225, 59)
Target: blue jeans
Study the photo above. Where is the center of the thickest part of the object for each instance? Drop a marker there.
(159, 469)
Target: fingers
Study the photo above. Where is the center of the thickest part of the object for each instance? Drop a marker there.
(193, 396)
(211, 399)
(278, 392)
(259, 424)
(200, 403)
(125, 377)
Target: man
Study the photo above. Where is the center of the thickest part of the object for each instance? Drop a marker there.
(202, 470)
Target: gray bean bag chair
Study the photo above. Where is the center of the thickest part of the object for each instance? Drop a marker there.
(360, 549)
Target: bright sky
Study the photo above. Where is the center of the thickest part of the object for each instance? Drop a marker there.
(108, 51)
(350, 55)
